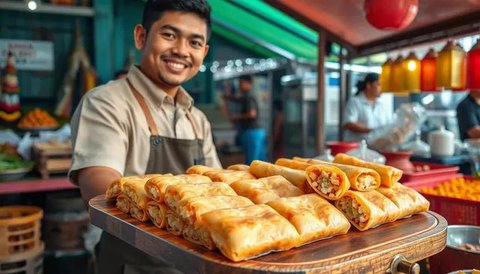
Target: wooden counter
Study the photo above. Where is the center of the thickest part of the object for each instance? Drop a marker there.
(418, 237)
(39, 185)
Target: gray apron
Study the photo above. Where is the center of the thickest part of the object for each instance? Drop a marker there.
(166, 155)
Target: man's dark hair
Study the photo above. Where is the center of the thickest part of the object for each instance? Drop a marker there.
(154, 10)
(247, 78)
(369, 78)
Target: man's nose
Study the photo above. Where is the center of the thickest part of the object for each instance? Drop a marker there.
(181, 48)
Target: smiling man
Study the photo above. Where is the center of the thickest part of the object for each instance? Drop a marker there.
(146, 122)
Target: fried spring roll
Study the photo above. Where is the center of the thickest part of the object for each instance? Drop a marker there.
(198, 235)
(200, 169)
(247, 232)
(367, 209)
(175, 193)
(139, 213)
(297, 177)
(191, 209)
(239, 167)
(360, 178)
(228, 176)
(157, 213)
(266, 189)
(174, 224)
(123, 203)
(406, 199)
(135, 191)
(156, 187)
(313, 217)
(388, 174)
(116, 187)
(328, 181)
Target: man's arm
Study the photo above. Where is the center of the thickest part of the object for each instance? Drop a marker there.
(94, 181)
(474, 132)
(357, 127)
(244, 116)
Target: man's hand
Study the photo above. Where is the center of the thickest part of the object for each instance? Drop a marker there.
(94, 181)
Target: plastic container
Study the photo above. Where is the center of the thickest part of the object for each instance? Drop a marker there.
(427, 172)
(366, 154)
(453, 258)
(19, 229)
(30, 262)
(442, 142)
(454, 210)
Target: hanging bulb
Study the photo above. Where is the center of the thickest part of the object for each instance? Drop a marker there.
(32, 5)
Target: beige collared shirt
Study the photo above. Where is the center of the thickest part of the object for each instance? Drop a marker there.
(109, 128)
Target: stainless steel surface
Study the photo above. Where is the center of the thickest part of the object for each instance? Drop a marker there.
(463, 234)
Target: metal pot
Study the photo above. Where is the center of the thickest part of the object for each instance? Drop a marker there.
(453, 258)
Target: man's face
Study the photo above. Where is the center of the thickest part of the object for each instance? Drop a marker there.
(374, 88)
(245, 86)
(173, 49)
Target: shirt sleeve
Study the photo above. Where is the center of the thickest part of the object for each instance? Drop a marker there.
(351, 112)
(99, 135)
(466, 120)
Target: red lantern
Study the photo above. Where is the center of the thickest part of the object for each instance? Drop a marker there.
(392, 14)
(473, 67)
(428, 72)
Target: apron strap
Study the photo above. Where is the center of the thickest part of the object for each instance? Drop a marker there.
(198, 135)
(152, 126)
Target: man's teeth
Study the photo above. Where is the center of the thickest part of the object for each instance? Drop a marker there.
(176, 65)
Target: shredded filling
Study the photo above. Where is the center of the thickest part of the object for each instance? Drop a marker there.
(174, 224)
(123, 205)
(154, 192)
(326, 182)
(353, 210)
(366, 181)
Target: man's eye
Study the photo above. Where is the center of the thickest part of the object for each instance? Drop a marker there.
(196, 44)
(168, 35)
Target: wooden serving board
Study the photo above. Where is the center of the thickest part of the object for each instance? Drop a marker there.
(371, 251)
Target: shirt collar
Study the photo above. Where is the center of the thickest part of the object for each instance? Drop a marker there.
(157, 95)
(364, 99)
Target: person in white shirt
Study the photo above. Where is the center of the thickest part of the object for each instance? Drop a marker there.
(364, 113)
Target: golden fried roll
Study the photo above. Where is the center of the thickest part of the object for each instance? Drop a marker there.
(246, 232)
(228, 176)
(367, 209)
(123, 203)
(297, 177)
(175, 193)
(174, 224)
(200, 169)
(266, 189)
(198, 235)
(313, 217)
(116, 187)
(135, 191)
(406, 199)
(388, 174)
(328, 181)
(239, 167)
(157, 213)
(360, 178)
(156, 187)
(139, 213)
(191, 209)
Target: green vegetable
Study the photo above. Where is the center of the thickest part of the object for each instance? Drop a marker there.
(10, 162)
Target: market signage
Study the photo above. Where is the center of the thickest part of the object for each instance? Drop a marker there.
(29, 55)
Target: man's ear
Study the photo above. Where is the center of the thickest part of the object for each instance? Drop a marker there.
(140, 36)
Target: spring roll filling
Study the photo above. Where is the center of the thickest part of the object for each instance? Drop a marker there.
(123, 205)
(354, 211)
(154, 213)
(174, 224)
(366, 181)
(137, 213)
(326, 182)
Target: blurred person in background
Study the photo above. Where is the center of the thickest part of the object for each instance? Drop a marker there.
(364, 113)
(468, 116)
(252, 135)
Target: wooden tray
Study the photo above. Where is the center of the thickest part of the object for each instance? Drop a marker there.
(418, 237)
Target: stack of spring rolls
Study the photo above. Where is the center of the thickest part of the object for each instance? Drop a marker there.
(249, 211)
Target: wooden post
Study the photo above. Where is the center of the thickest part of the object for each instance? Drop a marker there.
(342, 94)
(320, 126)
